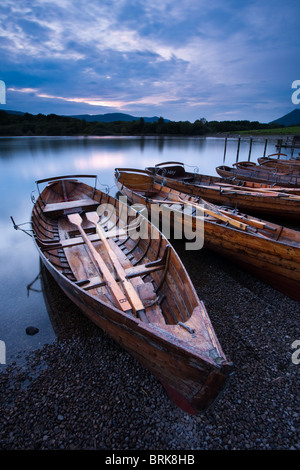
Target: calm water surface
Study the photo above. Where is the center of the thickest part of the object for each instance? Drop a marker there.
(23, 160)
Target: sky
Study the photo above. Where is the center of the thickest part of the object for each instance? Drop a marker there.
(180, 59)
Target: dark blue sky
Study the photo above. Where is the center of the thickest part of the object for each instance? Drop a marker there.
(180, 59)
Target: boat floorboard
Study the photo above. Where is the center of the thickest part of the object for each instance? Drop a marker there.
(83, 268)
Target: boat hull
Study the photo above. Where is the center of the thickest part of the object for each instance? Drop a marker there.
(179, 371)
(259, 175)
(273, 263)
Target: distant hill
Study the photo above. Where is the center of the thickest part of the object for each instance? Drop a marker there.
(18, 113)
(289, 119)
(108, 117)
(111, 117)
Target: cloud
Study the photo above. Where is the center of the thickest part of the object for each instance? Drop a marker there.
(185, 58)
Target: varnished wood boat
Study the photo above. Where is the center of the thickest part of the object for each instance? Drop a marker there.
(134, 288)
(279, 163)
(252, 198)
(261, 174)
(267, 250)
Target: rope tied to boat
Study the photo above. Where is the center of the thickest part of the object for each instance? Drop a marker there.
(106, 186)
(163, 182)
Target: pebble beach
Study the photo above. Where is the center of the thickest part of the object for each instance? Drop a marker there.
(84, 392)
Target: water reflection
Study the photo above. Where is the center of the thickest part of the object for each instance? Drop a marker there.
(66, 319)
(11, 147)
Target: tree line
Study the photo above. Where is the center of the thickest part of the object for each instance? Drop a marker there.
(54, 125)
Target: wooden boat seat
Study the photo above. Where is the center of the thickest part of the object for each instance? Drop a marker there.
(59, 208)
(142, 269)
(91, 283)
(73, 241)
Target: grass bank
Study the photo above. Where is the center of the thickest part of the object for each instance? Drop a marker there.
(293, 130)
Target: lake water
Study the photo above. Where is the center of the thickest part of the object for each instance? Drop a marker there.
(23, 160)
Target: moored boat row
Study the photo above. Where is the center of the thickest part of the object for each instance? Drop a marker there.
(269, 170)
(253, 198)
(268, 250)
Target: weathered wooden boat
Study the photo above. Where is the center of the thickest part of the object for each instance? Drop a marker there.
(281, 163)
(280, 169)
(267, 250)
(133, 287)
(252, 198)
(260, 174)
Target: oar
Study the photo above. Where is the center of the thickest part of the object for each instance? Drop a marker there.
(231, 218)
(132, 295)
(117, 293)
(217, 215)
(264, 191)
(249, 221)
(226, 219)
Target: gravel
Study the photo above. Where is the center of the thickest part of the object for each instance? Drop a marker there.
(83, 391)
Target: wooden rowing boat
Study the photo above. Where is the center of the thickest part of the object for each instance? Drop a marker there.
(267, 250)
(278, 162)
(133, 287)
(260, 174)
(251, 198)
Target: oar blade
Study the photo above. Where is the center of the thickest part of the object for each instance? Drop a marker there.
(75, 219)
(92, 217)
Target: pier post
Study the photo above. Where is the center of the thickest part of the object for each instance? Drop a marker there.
(279, 145)
(238, 149)
(265, 149)
(250, 148)
(225, 147)
(292, 148)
